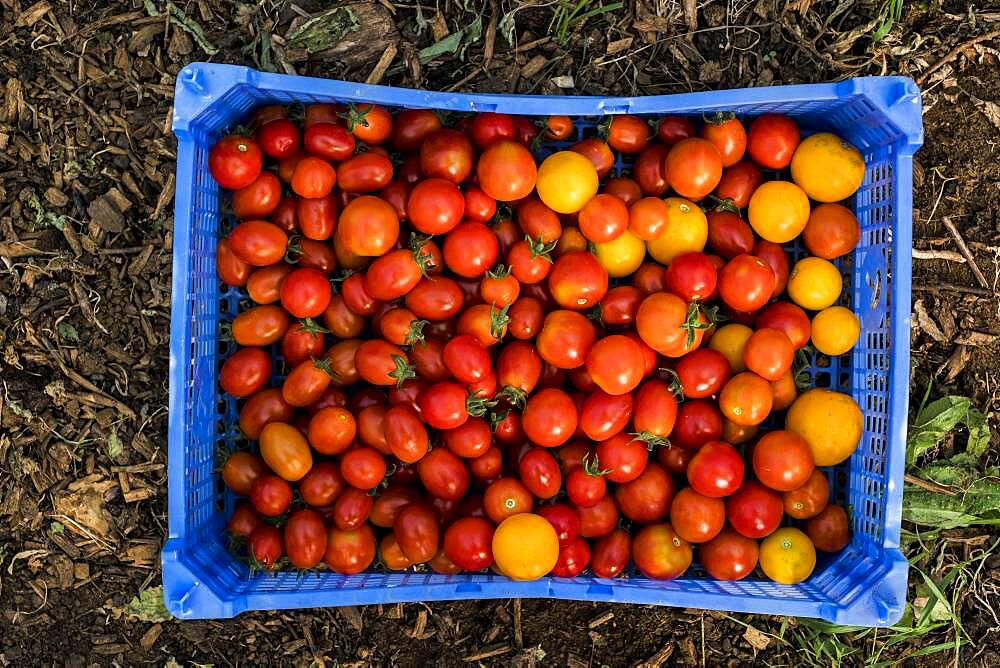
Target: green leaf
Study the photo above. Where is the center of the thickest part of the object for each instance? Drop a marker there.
(115, 446)
(148, 606)
(56, 527)
(450, 44)
(979, 505)
(940, 417)
(67, 331)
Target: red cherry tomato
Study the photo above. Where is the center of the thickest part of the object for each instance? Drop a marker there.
(446, 154)
(692, 277)
(729, 556)
(661, 554)
(697, 518)
(702, 373)
(279, 138)
(672, 129)
(694, 168)
(738, 183)
(772, 140)
(507, 171)
(647, 498)
(774, 255)
(615, 363)
(313, 177)
(783, 460)
(611, 554)
(627, 133)
(716, 470)
(539, 471)
(754, 510)
(564, 520)
(698, 422)
(572, 560)
(411, 127)
(729, 136)
(623, 456)
(245, 372)
(329, 141)
(471, 249)
(468, 542)
(235, 162)
(549, 418)
(768, 353)
(746, 283)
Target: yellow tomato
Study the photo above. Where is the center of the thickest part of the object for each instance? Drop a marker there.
(566, 181)
(787, 556)
(686, 231)
(828, 168)
(814, 283)
(778, 211)
(831, 423)
(525, 546)
(835, 330)
(730, 340)
(621, 256)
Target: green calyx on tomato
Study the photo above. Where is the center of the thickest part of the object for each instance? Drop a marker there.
(651, 440)
(592, 467)
(293, 251)
(403, 371)
(499, 272)
(514, 395)
(478, 406)
(724, 205)
(390, 470)
(718, 118)
(541, 249)
(499, 319)
(674, 385)
(423, 258)
(225, 331)
(415, 334)
(355, 116)
(313, 328)
(693, 322)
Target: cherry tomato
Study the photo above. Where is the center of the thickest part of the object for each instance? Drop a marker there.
(716, 470)
(611, 554)
(258, 242)
(505, 497)
(565, 521)
(329, 141)
(479, 206)
(549, 418)
(746, 399)
(332, 430)
(350, 552)
(526, 318)
(245, 372)
(783, 460)
(620, 305)
(566, 339)
(235, 162)
(702, 373)
(698, 422)
(776, 257)
(305, 538)
(305, 293)
(585, 483)
(672, 129)
(471, 249)
(694, 168)
(624, 188)
(772, 140)
(487, 466)
(692, 276)
(809, 499)
(507, 171)
(538, 221)
(598, 519)
(352, 508)
(661, 554)
(655, 412)
(363, 468)
(788, 319)
(603, 218)
(615, 363)
(231, 269)
(259, 199)
(389, 502)
(411, 127)
(446, 154)
(435, 206)
(558, 127)
(530, 261)
(603, 415)
(578, 281)
(598, 153)
(729, 137)
(364, 173)
(285, 450)
(627, 133)
(368, 226)
(728, 234)
(443, 474)
(729, 556)
(245, 519)
(322, 485)
(485, 322)
(646, 499)
(382, 363)
(405, 434)
(754, 510)
(648, 217)
(435, 298)
(697, 518)
(830, 530)
(832, 231)
(313, 177)
(746, 283)
(499, 288)
(265, 546)
(572, 560)
(738, 183)
(675, 460)
(260, 409)
(241, 470)
(540, 473)
(417, 531)
(468, 543)
(342, 322)
(768, 353)
(444, 405)
(669, 325)
(279, 138)
(650, 171)
(270, 495)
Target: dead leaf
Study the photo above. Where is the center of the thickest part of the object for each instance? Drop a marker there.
(619, 45)
(83, 501)
(757, 640)
(926, 323)
(564, 81)
(974, 338)
(990, 109)
(956, 363)
(800, 6)
(710, 72)
(439, 27)
(652, 24)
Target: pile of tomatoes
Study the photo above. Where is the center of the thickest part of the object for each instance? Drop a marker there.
(539, 368)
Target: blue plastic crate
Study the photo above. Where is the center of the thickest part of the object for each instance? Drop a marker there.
(863, 585)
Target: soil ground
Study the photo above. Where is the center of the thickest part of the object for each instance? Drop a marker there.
(86, 191)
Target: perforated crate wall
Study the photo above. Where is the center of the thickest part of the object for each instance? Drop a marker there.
(865, 584)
